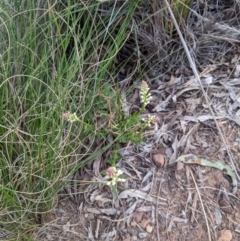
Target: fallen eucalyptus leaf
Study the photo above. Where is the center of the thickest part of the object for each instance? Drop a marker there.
(237, 71)
(147, 187)
(107, 211)
(179, 220)
(137, 217)
(218, 216)
(136, 193)
(102, 199)
(148, 175)
(109, 235)
(94, 194)
(131, 209)
(194, 159)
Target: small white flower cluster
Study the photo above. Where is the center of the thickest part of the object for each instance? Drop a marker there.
(150, 119)
(145, 96)
(113, 176)
(70, 117)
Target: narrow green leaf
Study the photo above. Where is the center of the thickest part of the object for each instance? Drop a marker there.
(194, 159)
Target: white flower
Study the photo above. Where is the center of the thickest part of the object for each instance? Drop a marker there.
(113, 176)
(119, 172)
(150, 120)
(121, 180)
(145, 96)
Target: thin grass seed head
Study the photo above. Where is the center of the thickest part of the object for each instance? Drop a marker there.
(114, 175)
(145, 96)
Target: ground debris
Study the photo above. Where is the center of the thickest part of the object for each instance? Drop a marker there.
(186, 132)
(224, 235)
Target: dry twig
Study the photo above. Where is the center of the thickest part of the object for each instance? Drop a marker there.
(203, 209)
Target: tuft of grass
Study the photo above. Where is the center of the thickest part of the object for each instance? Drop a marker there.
(55, 57)
(59, 56)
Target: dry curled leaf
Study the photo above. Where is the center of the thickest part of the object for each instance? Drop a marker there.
(237, 71)
(225, 205)
(107, 211)
(127, 238)
(133, 223)
(136, 193)
(224, 235)
(149, 228)
(138, 216)
(158, 160)
(172, 179)
(145, 222)
(218, 216)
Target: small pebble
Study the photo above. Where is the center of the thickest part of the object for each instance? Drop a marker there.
(142, 235)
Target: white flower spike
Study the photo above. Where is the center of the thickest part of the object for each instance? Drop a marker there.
(145, 96)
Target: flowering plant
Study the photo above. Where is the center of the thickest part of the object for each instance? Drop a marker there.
(122, 128)
(145, 96)
(70, 117)
(114, 175)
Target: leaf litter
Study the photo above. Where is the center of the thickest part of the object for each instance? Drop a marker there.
(172, 198)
